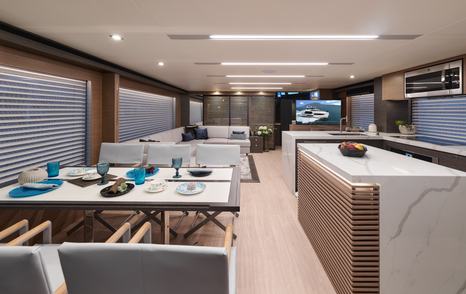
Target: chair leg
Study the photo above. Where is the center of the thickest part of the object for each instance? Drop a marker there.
(196, 217)
(185, 213)
(235, 213)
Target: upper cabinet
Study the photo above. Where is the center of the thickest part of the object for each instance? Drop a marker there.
(393, 86)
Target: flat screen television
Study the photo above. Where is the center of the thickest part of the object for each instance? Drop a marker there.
(318, 112)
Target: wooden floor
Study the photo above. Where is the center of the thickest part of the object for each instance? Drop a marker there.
(274, 255)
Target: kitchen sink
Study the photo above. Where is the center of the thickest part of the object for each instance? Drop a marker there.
(347, 134)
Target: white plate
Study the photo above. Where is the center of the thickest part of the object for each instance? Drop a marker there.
(77, 172)
(91, 177)
(183, 188)
(160, 189)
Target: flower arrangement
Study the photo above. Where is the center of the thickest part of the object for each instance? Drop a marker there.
(264, 131)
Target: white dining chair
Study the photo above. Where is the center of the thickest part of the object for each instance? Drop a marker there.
(218, 155)
(30, 269)
(149, 268)
(162, 154)
(121, 153)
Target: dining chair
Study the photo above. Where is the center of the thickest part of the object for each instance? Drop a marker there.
(30, 269)
(149, 268)
(121, 153)
(162, 154)
(218, 155)
(37, 269)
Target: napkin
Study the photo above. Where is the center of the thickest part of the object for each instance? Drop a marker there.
(38, 186)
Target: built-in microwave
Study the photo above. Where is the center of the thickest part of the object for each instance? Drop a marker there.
(437, 80)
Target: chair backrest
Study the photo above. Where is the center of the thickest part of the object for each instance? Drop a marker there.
(162, 154)
(95, 268)
(22, 271)
(121, 153)
(217, 155)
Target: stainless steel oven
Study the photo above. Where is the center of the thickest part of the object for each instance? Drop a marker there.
(437, 80)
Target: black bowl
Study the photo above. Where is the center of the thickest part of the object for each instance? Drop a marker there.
(105, 192)
(352, 152)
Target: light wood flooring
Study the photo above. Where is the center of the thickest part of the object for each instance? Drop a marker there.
(274, 254)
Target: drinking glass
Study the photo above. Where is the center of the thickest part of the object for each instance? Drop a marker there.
(53, 168)
(139, 175)
(102, 170)
(176, 164)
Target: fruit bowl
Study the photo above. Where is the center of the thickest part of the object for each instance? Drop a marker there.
(351, 149)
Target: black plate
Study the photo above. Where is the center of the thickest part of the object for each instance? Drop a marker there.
(106, 191)
(200, 173)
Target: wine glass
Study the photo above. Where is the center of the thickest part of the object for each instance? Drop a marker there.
(102, 170)
(176, 164)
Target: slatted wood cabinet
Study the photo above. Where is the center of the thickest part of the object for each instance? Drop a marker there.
(341, 220)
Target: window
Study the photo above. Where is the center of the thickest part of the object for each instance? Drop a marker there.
(362, 111)
(42, 119)
(442, 118)
(195, 112)
(143, 114)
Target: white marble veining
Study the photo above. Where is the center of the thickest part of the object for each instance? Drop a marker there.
(289, 152)
(422, 218)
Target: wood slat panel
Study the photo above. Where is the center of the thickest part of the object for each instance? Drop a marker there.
(341, 220)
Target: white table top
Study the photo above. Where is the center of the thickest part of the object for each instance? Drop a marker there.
(215, 192)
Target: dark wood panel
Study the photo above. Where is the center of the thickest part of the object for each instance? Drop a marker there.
(239, 111)
(110, 103)
(217, 110)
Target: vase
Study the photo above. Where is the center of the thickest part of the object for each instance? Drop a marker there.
(266, 144)
(407, 129)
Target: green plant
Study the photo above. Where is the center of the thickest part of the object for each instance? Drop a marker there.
(264, 131)
(400, 122)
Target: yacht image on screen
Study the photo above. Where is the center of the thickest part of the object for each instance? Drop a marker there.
(318, 112)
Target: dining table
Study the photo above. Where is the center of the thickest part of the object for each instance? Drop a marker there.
(221, 194)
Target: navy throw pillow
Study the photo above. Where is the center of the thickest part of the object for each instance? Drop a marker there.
(187, 137)
(201, 134)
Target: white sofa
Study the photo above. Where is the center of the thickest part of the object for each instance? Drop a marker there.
(216, 135)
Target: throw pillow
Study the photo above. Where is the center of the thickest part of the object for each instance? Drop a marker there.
(201, 134)
(187, 137)
(238, 136)
(238, 132)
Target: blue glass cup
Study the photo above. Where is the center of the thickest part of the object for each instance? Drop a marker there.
(176, 164)
(102, 170)
(53, 168)
(139, 175)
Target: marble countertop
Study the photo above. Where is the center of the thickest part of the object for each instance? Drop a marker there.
(376, 163)
(459, 150)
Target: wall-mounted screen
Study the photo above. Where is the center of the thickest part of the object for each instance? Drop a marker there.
(319, 112)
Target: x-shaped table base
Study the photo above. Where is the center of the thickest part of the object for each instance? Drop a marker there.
(209, 218)
(152, 216)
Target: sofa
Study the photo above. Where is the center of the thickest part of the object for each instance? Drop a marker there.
(216, 135)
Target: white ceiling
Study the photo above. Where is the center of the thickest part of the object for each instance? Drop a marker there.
(86, 24)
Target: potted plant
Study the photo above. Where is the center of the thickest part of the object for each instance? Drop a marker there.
(264, 132)
(405, 128)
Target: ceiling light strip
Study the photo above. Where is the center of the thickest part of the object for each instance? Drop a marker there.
(265, 76)
(256, 88)
(293, 37)
(275, 63)
(259, 83)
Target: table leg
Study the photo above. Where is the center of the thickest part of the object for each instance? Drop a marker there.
(165, 227)
(88, 226)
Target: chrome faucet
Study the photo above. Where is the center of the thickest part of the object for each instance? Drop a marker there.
(341, 123)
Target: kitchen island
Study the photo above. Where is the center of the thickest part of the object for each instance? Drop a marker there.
(290, 139)
(384, 223)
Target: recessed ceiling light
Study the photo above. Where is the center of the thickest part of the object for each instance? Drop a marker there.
(261, 93)
(216, 93)
(256, 88)
(293, 37)
(351, 76)
(276, 63)
(116, 37)
(258, 83)
(265, 76)
(239, 93)
(160, 63)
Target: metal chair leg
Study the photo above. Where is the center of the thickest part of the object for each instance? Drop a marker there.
(185, 213)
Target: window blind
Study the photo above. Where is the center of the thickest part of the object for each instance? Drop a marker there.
(195, 112)
(362, 111)
(42, 119)
(142, 114)
(443, 118)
